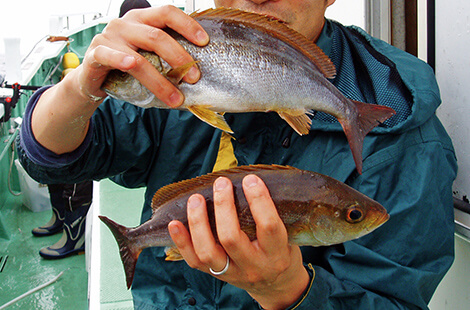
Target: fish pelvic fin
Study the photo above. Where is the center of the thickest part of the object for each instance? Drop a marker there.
(129, 252)
(173, 254)
(301, 123)
(369, 116)
(177, 74)
(210, 117)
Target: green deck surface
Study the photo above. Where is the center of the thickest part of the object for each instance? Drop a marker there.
(123, 206)
(25, 269)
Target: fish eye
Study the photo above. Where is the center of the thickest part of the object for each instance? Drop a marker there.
(354, 214)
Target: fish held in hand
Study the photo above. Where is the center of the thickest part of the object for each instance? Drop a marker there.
(254, 63)
(316, 210)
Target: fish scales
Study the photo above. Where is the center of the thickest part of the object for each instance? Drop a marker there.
(316, 210)
(262, 63)
(255, 64)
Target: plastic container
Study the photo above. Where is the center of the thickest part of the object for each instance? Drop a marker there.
(35, 195)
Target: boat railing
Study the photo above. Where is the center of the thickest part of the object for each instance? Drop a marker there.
(65, 22)
(22, 70)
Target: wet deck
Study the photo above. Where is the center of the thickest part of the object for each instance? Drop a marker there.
(22, 269)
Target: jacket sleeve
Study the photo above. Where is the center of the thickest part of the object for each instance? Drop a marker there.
(110, 148)
(400, 264)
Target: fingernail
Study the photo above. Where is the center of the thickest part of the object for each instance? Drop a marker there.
(220, 184)
(202, 37)
(193, 74)
(176, 99)
(250, 180)
(193, 202)
(128, 61)
(173, 229)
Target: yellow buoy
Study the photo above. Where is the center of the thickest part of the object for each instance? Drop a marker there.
(70, 61)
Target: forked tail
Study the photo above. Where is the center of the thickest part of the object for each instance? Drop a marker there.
(129, 252)
(369, 116)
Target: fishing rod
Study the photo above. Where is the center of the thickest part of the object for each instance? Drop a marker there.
(9, 102)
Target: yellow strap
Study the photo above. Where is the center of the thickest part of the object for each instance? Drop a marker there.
(225, 157)
(308, 288)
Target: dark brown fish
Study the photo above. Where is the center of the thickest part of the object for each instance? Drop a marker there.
(317, 210)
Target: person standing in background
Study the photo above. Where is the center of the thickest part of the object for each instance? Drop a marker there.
(70, 205)
(128, 5)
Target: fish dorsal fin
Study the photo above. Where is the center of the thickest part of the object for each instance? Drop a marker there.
(275, 28)
(173, 190)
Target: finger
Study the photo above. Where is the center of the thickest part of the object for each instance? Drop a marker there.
(211, 254)
(164, 45)
(153, 37)
(231, 237)
(182, 239)
(174, 18)
(154, 81)
(102, 58)
(93, 70)
(270, 230)
(142, 29)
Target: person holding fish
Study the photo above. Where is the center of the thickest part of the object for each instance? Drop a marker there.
(190, 99)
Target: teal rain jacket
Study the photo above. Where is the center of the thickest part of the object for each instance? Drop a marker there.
(409, 167)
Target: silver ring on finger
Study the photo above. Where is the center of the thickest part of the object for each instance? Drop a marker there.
(221, 272)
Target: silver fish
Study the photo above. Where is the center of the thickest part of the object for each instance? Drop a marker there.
(254, 63)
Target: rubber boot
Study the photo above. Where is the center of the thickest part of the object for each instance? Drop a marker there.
(56, 222)
(73, 236)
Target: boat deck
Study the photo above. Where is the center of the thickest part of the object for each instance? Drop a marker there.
(22, 269)
(107, 282)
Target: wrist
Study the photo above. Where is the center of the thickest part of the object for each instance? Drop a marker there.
(82, 95)
(291, 296)
(61, 118)
(311, 273)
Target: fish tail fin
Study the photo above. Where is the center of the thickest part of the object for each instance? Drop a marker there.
(129, 252)
(369, 116)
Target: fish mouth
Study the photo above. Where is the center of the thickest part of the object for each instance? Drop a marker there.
(381, 220)
(378, 222)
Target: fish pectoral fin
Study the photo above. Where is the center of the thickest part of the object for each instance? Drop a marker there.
(300, 122)
(177, 74)
(210, 117)
(173, 254)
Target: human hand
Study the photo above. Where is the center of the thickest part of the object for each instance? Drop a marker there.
(268, 268)
(116, 48)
